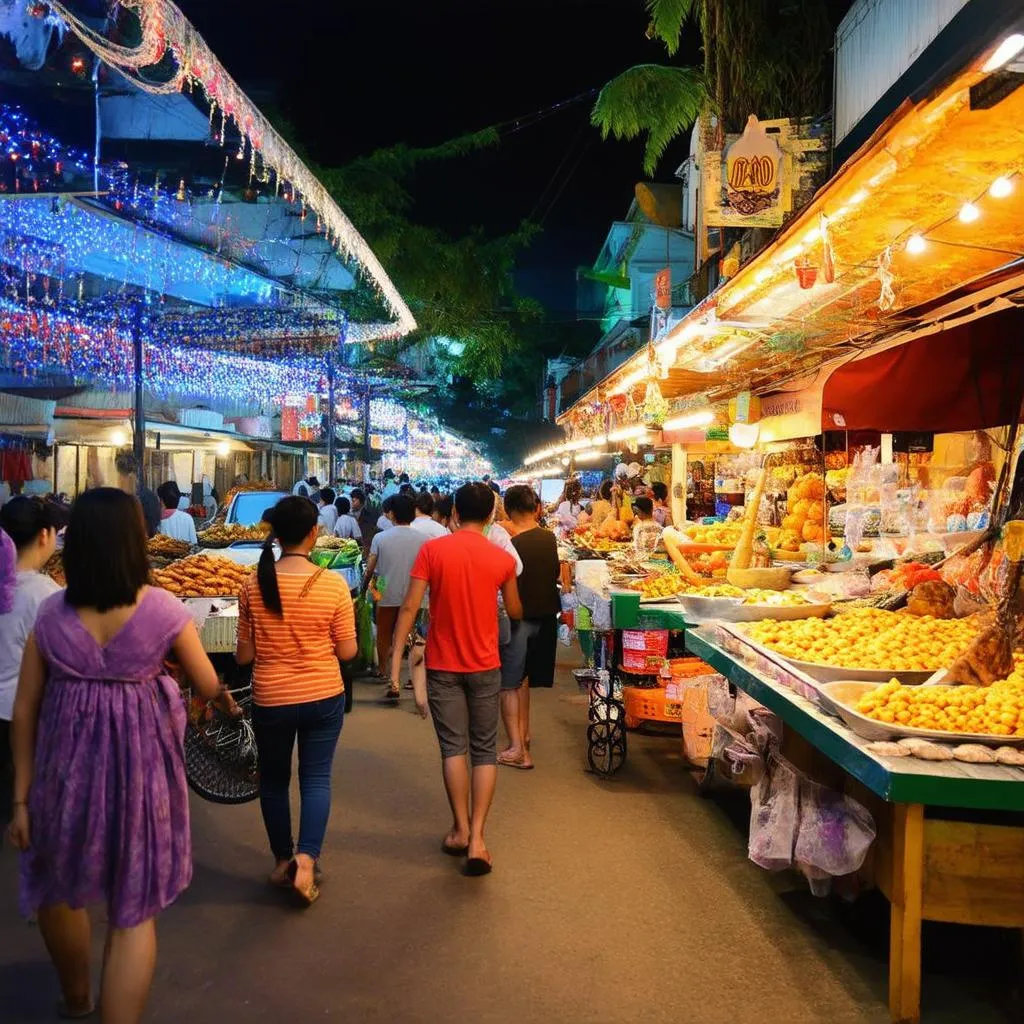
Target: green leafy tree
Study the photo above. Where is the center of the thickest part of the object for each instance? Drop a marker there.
(760, 57)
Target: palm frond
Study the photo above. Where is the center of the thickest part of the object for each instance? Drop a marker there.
(652, 100)
(667, 20)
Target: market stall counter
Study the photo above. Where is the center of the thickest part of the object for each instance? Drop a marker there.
(929, 861)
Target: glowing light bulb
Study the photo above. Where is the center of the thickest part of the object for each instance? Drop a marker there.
(1005, 51)
(969, 213)
(916, 244)
(762, 275)
(1000, 188)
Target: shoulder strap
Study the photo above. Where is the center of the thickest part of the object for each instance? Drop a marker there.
(309, 583)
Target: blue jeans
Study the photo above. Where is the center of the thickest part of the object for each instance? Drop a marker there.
(317, 724)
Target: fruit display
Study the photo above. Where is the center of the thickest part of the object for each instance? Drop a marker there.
(716, 590)
(615, 529)
(222, 534)
(805, 518)
(871, 639)
(203, 576)
(710, 563)
(724, 534)
(996, 710)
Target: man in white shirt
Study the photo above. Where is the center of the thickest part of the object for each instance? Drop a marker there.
(385, 522)
(346, 527)
(424, 521)
(173, 522)
(328, 517)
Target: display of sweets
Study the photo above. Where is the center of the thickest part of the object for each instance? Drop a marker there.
(871, 639)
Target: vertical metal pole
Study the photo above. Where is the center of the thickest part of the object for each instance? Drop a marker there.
(140, 406)
(331, 440)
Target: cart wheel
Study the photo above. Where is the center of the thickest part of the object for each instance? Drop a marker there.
(606, 748)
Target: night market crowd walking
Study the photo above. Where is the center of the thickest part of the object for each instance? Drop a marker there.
(92, 719)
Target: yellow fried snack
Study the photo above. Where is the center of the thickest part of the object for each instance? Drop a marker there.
(869, 638)
(996, 710)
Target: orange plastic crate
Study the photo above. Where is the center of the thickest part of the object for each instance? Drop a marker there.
(650, 705)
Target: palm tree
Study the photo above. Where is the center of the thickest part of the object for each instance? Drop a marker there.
(767, 57)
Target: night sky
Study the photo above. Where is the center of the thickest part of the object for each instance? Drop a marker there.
(353, 77)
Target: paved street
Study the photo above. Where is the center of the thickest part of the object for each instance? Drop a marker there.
(610, 902)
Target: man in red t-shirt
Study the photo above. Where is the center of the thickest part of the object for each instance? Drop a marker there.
(464, 572)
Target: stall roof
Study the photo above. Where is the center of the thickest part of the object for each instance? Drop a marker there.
(932, 202)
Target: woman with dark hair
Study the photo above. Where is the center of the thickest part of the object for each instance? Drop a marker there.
(32, 525)
(295, 622)
(100, 797)
(569, 507)
(662, 510)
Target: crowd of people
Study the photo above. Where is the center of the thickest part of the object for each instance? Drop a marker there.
(92, 719)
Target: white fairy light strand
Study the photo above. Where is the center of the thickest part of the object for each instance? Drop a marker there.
(163, 27)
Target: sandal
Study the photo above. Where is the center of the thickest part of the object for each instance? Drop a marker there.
(511, 762)
(393, 696)
(453, 851)
(477, 867)
(65, 1014)
(310, 896)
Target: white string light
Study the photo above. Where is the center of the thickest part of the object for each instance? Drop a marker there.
(164, 28)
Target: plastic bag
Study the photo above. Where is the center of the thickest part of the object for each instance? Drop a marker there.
(834, 833)
(364, 631)
(774, 818)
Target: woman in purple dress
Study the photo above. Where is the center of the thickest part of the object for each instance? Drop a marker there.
(100, 798)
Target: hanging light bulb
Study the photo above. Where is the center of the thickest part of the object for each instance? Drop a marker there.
(1000, 188)
(180, 194)
(969, 213)
(916, 244)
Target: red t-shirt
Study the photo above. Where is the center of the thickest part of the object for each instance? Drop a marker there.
(464, 571)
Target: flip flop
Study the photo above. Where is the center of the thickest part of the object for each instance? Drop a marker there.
(306, 899)
(454, 851)
(508, 762)
(65, 1014)
(477, 867)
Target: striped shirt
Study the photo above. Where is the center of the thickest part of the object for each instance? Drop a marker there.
(295, 659)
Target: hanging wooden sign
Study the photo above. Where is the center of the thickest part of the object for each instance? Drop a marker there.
(750, 183)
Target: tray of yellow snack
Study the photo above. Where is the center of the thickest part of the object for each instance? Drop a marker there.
(992, 715)
(203, 576)
(866, 644)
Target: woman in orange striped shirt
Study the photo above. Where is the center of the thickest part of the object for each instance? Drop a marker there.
(295, 622)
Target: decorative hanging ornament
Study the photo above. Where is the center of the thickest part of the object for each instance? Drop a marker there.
(886, 296)
(828, 256)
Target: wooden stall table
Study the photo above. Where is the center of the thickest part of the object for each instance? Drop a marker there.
(928, 864)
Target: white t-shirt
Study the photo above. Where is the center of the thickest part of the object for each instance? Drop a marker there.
(384, 524)
(428, 527)
(347, 527)
(31, 589)
(328, 518)
(181, 526)
(497, 534)
(568, 515)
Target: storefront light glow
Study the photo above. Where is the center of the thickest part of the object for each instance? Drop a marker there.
(744, 435)
(628, 433)
(1004, 52)
(701, 418)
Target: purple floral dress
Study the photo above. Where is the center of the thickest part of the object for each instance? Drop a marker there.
(108, 808)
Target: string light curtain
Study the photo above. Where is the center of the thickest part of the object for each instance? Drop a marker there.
(168, 41)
